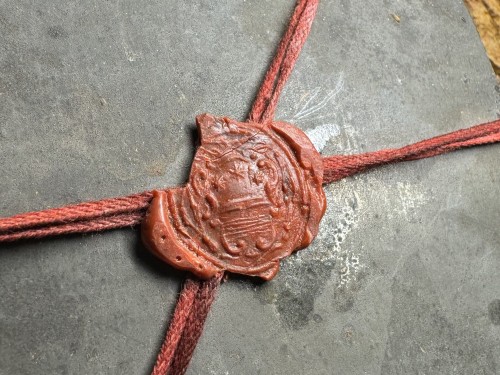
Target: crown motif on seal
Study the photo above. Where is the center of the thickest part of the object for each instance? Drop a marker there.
(253, 197)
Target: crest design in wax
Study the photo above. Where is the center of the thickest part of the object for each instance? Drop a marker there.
(253, 197)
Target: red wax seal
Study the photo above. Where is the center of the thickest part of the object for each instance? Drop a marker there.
(253, 197)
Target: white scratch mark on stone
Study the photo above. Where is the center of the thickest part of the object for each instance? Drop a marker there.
(321, 134)
(131, 55)
(340, 219)
(347, 260)
(322, 108)
(313, 103)
(411, 197)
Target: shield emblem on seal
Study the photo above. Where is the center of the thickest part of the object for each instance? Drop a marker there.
(254, 196)
(248, 231)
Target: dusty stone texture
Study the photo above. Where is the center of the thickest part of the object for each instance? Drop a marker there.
(98, 99)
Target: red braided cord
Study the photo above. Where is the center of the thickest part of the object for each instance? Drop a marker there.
(127, 211)
(338, 167)
(88, 226)
(176, 327)
(194, 325)
(287, 53)
(186, 325)
(262, 111)
(82, 211)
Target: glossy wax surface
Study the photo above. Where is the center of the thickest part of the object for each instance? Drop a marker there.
(254, 196)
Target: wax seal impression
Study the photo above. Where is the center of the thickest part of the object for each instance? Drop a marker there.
(253, 197)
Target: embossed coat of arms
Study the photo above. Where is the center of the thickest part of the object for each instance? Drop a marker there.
(254, 196)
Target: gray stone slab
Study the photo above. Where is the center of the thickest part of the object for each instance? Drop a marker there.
(97, 99)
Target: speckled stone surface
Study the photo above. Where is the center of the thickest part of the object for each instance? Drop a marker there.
(98, 99)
